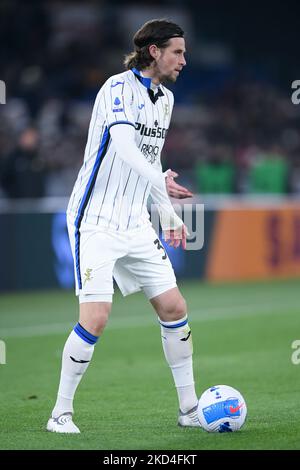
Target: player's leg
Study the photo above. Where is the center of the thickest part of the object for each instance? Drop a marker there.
(148, 267)
(94, 285)
(170, 307)
(76, 357)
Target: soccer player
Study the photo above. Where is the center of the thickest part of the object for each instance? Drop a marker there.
(109, 228)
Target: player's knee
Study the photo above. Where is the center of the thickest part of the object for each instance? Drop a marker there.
(97, 324)
(180, 308)
(174, 310)
(94, 317)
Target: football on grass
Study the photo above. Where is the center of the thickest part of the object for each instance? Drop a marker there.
(222, 409)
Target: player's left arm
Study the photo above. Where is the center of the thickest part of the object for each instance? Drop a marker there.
(174, 230)
(174, 189)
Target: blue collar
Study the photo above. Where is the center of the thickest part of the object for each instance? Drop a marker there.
(147, 83)
(144, 80)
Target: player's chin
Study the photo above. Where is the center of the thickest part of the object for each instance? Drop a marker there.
(172, 77)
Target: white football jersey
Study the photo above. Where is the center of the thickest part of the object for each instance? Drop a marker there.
(108, 192)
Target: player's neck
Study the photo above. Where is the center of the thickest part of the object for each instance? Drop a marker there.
(150, 73)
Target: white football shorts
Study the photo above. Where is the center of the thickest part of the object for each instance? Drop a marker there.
(136, 259)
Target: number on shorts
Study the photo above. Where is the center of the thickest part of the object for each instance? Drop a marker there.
(160, 246)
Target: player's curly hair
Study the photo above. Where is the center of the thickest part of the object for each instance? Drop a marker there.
(156, 32)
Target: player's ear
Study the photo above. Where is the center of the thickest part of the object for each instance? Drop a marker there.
(154, 51)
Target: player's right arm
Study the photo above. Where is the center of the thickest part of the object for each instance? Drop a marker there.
(123, 139)
(116, 106)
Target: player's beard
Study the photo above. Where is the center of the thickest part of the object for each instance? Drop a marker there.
(164, 76)
(170, 78)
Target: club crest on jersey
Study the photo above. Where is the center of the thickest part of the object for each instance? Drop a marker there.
(166, 110)
(117, 104)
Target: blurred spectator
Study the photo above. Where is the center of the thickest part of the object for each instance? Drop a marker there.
(269, 172)
(222, 119)
(217, 175)
(23, 172)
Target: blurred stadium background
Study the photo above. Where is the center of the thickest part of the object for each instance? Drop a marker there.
(234, 140)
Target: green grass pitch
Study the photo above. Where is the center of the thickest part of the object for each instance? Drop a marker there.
(242, 335)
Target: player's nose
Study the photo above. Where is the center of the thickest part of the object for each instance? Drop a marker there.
(182, 61)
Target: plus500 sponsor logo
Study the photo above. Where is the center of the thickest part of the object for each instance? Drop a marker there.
(158, 132)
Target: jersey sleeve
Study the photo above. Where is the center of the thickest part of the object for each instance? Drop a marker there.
(117, 102)
(169, 220)
(123, 140)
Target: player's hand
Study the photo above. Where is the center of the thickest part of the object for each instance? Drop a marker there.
(174, 189)
(175, 237)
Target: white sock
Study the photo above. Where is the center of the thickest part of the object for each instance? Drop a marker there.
(178, 349)
(76, 357)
